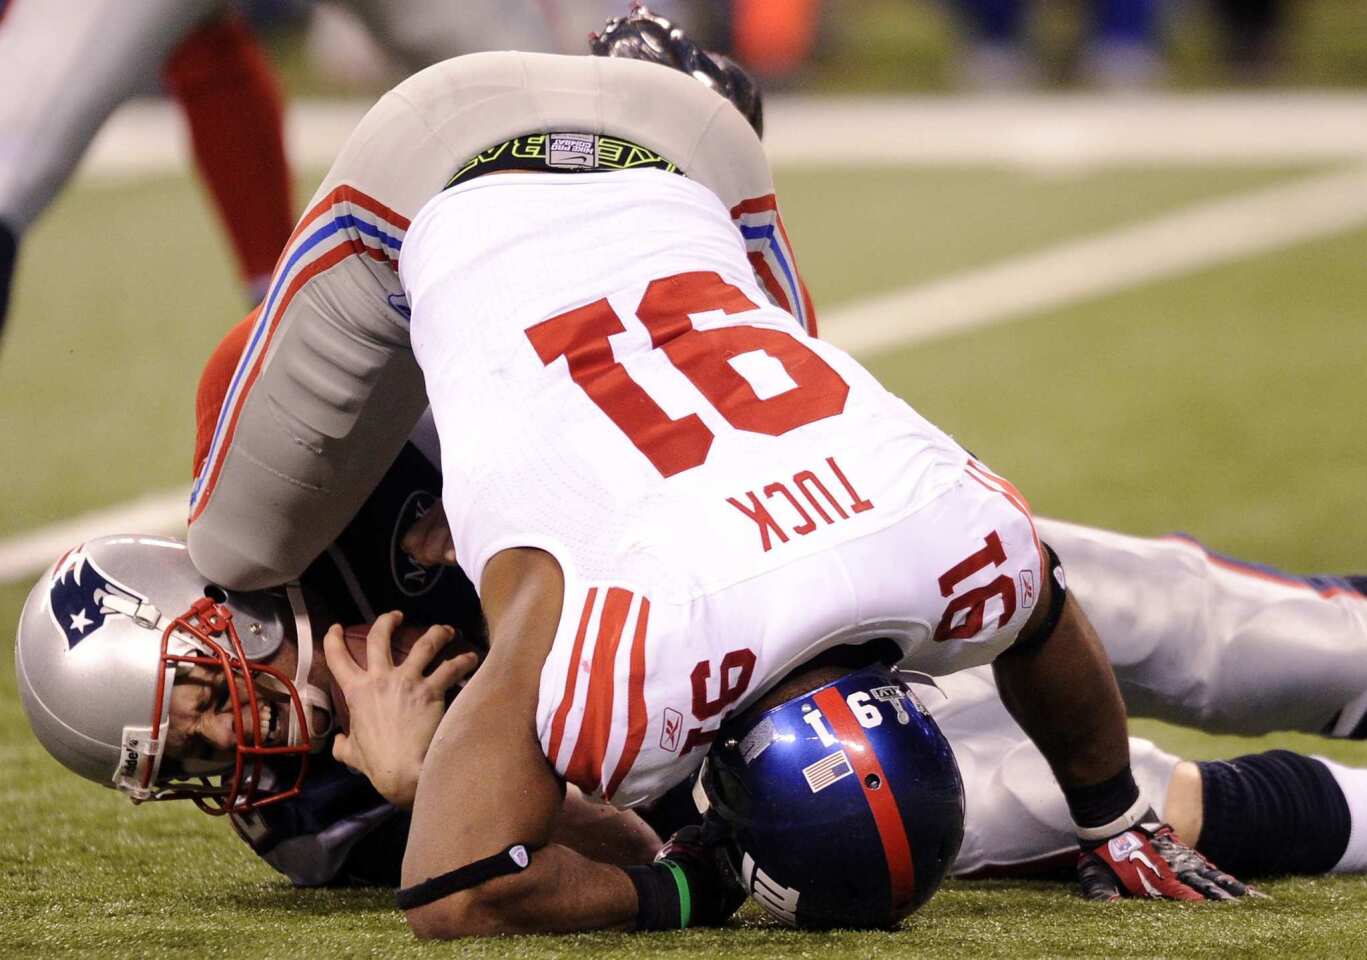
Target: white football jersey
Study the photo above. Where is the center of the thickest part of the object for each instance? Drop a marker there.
(726, 495)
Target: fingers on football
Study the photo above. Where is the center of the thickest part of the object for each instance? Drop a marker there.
(425, 648)
(453, 673)
(379, 642)
(343, 666)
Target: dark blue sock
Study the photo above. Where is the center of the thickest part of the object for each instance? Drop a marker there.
(1272, 813)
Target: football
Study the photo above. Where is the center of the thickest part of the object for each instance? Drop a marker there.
(403, 641)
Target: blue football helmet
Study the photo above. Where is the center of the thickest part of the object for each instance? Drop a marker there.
(842, 807)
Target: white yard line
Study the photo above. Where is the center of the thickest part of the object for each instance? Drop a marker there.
(23, 555)
(1203, 235)
(1068, 132)
(1046, 133)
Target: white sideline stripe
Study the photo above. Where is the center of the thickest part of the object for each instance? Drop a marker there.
(1191, 239)
(1181, 242)
(1049, 133)
(1068, 132)
(159, 513)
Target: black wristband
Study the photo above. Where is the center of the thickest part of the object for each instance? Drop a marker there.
(1099, 807)
(662, 896)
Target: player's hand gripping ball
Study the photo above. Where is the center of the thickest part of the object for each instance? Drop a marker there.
(403, 640)
(393, 706)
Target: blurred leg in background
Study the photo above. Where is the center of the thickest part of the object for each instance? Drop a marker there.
(8, 250)
(65, 65)
(1123, 51)
(998, 55)
(1121, 41)
(1252, 41)
(232, 103)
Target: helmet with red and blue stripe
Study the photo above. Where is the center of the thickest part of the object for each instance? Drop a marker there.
(843, 806)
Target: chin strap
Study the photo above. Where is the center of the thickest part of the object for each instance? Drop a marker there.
(314, 698)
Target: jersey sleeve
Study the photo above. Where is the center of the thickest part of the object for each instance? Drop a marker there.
(772, 258)
(592, 715)
(337, 832)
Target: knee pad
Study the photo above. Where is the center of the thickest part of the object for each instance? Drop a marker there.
(1270, 813)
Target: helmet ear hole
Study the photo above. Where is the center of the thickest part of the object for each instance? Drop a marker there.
(216, 593)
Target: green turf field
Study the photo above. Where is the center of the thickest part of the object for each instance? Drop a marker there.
(1226, 403)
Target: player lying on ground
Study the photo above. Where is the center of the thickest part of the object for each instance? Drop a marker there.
(338, 830)
(605, 488)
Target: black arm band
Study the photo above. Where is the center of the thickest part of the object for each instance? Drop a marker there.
(662, 896)
(513, 859)
(1058, 596)
(1103, 810)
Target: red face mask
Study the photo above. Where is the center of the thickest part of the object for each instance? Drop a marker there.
(255, 761)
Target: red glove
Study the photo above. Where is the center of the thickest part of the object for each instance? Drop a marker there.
(1150, 861)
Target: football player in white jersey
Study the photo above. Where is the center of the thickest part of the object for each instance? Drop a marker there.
(636, 445)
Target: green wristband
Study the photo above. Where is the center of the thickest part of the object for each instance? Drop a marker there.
(685, 901)
(663, 900)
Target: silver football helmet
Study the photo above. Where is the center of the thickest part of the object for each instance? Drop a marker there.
(103, 637)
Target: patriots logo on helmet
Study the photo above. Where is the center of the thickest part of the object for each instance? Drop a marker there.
(76, 597)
